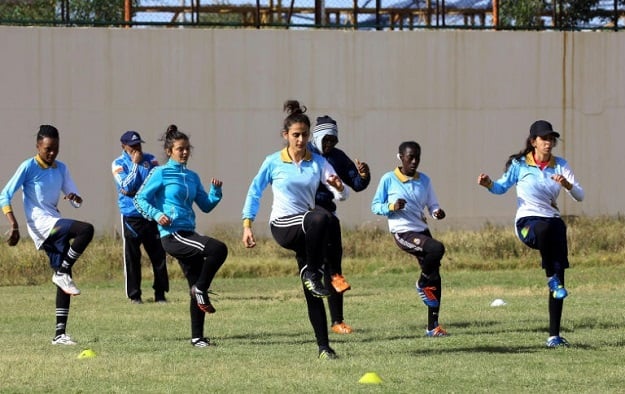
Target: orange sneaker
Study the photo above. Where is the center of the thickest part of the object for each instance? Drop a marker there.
(437, 331)
(339, 283)
(341, 328)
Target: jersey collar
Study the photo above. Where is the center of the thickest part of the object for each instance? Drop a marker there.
(529, 159)
(284, 155)
(405, 178)
(43, 164)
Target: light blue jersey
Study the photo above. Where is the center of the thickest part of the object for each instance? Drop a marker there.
(293, 184)
(536, 191)
(41, 186)
(418, 193)
(171, 190)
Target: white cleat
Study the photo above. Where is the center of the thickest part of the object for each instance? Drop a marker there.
(63, 339)
(66, 283)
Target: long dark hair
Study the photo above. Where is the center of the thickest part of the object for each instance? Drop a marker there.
(528, 148)
(295, 114)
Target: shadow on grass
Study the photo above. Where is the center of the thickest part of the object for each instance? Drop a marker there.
(479, 349)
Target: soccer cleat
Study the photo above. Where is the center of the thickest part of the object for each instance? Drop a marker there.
(341, 328)
(63, 339)
(437, 331)
(427, 295)
(201, 342)
(555, 287)
(339, 283)
(327, 354)
(136, 301)
(312, 281)
(557, 341)
(65, 283)
(203, 302)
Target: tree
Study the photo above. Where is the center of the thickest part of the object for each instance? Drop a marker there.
(97, 12)
(27, 11)
(521, 13)
(107, 12)
(531, 14)
(572, 14)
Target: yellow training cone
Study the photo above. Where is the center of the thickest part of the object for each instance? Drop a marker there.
(370, 378)
(87, 353)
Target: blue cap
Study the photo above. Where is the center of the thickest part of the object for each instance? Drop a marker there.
(131, 138)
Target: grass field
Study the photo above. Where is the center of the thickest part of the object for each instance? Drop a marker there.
(265, 343)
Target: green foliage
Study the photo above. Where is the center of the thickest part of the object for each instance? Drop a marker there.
(97, 12)
(222, 20)
(592, 241)
(572, 13)
(528, 14)
(100, 11)
(521, 13)
(36, 10)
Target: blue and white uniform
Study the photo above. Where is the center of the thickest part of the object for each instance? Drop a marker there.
(418, 193)
(536, 191)
(295, 223)
(171, 190)
(137, 230)
(293, 184)
(40, 184)
(129, 177)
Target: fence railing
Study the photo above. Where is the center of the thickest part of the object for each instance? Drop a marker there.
(310, 14)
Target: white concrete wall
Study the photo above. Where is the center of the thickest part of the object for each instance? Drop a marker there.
(467, 96)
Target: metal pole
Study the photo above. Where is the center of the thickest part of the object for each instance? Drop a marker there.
(443, 12)
(615, 15)
(496, 13)
(127, 12)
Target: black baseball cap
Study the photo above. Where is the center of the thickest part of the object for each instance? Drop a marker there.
(542, 128)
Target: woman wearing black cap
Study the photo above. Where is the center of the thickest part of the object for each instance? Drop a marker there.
(539, 176)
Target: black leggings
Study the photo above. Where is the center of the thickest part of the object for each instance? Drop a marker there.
(547, 235)
(427, 250)
(309, 235)
(200, 257)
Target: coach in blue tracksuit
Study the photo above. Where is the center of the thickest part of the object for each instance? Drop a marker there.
(357, 176)
(130, 170)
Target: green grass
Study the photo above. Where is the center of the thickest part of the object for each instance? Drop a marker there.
(265, 343)
(592, 242)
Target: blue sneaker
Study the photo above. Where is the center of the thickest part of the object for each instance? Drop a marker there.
(557, 290)
(557, 341)
(437, 331)
(427, 295)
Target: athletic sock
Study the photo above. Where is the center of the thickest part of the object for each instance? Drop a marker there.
(432, 317)
(69, 261)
